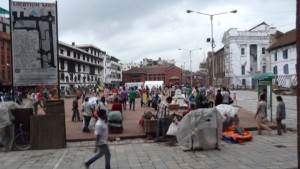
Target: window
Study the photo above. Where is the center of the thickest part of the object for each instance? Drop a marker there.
(263, 50)
(83, 68)
(242, 51)
(264, 69)
(275, 56)
(61, 51)
(71, 76)
(62, 76)
(74, 55)
(8, 75)
(286, 69)
(285, 54)
(243, 70)
(244, 82)
(78, 66)
(2, 44)
(4, 28)
(3, 74)
(83, 57)
(62, 65)
(275, 70)
(68, 52)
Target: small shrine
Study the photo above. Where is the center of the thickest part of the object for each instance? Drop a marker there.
(179, 99)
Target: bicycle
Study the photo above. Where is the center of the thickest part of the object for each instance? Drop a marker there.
(22, 139)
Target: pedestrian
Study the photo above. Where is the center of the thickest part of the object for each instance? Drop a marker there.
(124, 97)
(132, 95)
(97, 92)
(117, 106)
(102, 104)
(219, 98)
(225, 94)
(261, 115)
(156, 101)
(83, 93)
(101, 147)
(280, 114)
(162, 122)
(88, 110)
(75, 116)
(35, 103)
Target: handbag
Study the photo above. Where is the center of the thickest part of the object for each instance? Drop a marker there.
(172, 129)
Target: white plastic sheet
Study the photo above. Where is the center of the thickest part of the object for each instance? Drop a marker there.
(6, 125)
(201, 128)
(226, 110)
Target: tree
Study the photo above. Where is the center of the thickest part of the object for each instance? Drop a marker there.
(203, 66)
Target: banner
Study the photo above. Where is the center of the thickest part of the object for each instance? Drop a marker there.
(34, 43)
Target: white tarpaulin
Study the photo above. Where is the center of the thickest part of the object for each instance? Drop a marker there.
(201, 128)
(6, 125)
(156, 84)
(226, 110)
(139, 85)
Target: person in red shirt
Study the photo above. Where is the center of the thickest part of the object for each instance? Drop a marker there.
(115, 91)
(117, 105)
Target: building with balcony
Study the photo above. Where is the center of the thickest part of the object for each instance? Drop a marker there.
(112, 71)
(283, 55)
(80, 65)
(245, 53)
(5, 55)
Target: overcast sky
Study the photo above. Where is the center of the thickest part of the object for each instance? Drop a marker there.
(131, 30)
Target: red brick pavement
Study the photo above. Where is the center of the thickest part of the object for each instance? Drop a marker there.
(132, 129)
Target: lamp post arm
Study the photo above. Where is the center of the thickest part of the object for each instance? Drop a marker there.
(202, 13)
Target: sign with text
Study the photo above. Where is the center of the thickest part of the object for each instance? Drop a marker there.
(264, 82)
(34, 43)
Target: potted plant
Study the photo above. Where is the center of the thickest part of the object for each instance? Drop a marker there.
(150, 122)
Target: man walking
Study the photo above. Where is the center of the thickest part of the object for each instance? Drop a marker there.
(75, 116)
(101, 147)
(280, 114)
(132, 95)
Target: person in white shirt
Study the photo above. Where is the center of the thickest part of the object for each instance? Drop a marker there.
(101, 147)
(88, 110)
(225, 95)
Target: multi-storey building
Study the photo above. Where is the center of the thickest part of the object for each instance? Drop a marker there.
(283, 55)
(80, 66)
(151, 62)
(128, 66)
(219, 68)
(112, 71)
(245, 53)
(5, 55)
(169, 74)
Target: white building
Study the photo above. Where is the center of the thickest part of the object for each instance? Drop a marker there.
(128, 66)
(283, 55)
(245, 53)
(112, 71)
(79, 67)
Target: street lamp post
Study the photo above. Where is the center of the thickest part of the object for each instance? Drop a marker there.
(190, 63)
(212, 39)
(183, 71)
